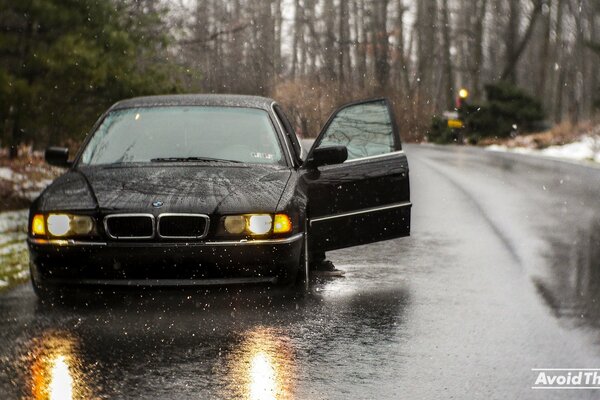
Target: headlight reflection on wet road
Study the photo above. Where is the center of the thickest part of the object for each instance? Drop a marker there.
(263, 377)
(61, 381)
(55, 370)
(262, 366)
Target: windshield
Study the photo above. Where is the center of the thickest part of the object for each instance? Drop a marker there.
(152, 134)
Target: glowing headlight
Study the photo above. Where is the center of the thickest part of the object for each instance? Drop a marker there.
(66, 224)
(260, 224)
(58, 224)
(257, 224)
(235, 224)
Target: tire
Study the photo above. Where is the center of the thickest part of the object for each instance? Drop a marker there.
(291, 275)
(302, 272)
(295, 276)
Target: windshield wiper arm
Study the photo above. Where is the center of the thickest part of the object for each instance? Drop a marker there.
(192, 159)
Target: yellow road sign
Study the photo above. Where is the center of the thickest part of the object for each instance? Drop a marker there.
(455, 124)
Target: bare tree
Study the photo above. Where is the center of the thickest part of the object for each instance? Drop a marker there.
(418, 52)
(381, 43)
(446, 45)
(426, 28)
(514, 44)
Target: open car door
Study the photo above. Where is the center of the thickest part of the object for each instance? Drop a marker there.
(366, 198)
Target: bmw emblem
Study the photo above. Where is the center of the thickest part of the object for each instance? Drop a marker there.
(157, 204)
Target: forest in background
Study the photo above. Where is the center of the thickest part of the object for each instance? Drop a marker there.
(63, 62)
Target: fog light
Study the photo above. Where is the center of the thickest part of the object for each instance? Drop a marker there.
(38, 226)
(259, 224)
(235, 224)
(282, 224)
(59, 224)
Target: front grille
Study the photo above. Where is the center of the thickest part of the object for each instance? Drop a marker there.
(183, 226)
(129, 226)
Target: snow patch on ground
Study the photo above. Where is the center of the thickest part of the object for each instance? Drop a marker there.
(6, 173)
(12, 220)
(13, 249)
(24, 181)
(587, 148)
(23, 275)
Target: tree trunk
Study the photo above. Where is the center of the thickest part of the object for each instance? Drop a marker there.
(361, 34)
(514, 50)
(278, 23)
(478, 60)
(381, 44)
(559, 49)
(426, 35)
(448, 73)
(329, 53)
(402, 69)
(511, 38)
(297, 42)
(544, 56)
(344, 44)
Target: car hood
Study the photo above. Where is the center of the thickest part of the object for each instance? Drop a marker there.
(208, 189)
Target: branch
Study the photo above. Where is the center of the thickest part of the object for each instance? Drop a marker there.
(513, 58)
(235, 29)
(593, 46)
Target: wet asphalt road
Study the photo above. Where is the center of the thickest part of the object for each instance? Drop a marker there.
(500, 275)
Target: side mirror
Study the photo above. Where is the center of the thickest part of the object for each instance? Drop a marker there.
(327, 156)
(57, 156)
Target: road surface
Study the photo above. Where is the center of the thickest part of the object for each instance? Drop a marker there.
(501, 275)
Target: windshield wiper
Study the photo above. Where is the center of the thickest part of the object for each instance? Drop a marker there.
(192, 159)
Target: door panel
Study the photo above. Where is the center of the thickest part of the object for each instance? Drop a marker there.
(367, 198)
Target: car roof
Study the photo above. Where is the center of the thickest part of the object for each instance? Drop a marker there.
(224, 100)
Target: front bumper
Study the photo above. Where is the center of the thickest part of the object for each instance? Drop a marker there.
(164, 264)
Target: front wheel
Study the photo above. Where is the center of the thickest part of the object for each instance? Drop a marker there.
(303, 271)
(292, 275)
(297, 274)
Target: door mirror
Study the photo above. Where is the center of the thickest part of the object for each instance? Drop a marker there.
(327, 155)
(57, 156)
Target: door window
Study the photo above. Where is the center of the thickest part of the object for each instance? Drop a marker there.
(365, 129)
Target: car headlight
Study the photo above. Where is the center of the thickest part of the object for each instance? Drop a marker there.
(58, 224)
(257, 224)
(61, 224)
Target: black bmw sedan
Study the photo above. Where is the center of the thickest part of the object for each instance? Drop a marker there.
(215, 189)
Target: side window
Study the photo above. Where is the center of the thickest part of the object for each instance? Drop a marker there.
(365, 129)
